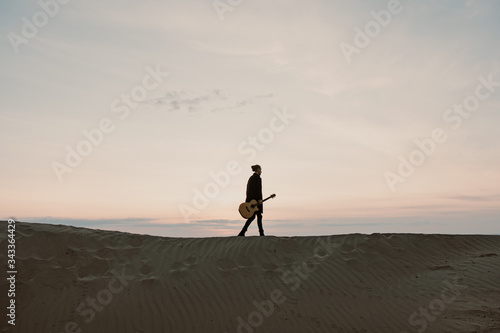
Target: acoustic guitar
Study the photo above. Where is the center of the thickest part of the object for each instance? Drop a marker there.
(247, 209)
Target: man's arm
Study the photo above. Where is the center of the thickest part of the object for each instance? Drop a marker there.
(260, 189)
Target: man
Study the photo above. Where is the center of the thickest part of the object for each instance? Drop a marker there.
(254, 191)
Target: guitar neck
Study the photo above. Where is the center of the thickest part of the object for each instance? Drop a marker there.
(269, 197)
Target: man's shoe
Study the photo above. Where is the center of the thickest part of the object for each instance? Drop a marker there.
(241, 234)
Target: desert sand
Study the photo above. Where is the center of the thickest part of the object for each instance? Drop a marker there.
(83, 280)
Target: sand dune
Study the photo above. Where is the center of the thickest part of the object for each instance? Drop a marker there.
(82, 280)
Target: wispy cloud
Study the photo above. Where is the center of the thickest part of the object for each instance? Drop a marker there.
(475, 197)
(91, 223)
(197, 102)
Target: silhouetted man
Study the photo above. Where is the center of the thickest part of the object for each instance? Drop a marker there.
(254, 191)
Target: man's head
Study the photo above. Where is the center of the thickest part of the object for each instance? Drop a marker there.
(257, 169)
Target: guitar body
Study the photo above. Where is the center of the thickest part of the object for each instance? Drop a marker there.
(247, 209)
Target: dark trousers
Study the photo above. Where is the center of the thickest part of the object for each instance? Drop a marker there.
(250, 220)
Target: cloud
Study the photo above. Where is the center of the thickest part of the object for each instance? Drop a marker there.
(475, 197)
(196, 102)
(212, 222)
(132, 221)
(186, 100)
(378, 224)
(91, 223)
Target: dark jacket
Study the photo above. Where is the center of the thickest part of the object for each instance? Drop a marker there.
(254, 189)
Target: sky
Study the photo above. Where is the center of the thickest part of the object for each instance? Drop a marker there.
(146, 116)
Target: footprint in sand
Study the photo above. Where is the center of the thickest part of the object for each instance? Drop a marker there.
(226, 265)
(244, 261)
(145, 269)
